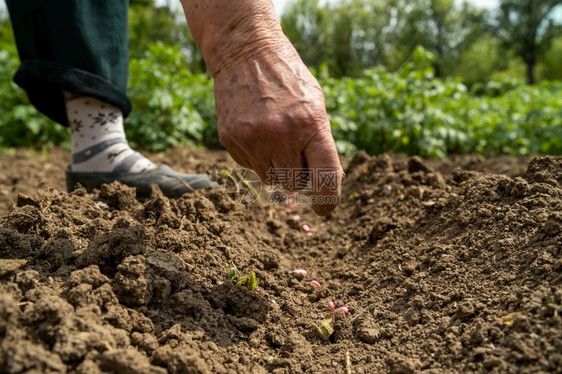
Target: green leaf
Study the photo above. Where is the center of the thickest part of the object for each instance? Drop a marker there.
(252, 282)
(232, 274)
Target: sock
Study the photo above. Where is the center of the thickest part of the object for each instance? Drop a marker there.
(98, 141)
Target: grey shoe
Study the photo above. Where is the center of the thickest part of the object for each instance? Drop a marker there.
(172, 183)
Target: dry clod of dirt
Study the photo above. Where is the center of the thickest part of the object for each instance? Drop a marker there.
(445, 266)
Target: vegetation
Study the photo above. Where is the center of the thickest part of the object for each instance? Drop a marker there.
(413, 112)
(20, 123)
(251, 281)
(349, 36)
(527, 28)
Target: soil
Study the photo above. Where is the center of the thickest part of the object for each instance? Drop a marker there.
(444, 266)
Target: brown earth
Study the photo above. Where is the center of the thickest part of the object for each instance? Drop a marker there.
(445, 266)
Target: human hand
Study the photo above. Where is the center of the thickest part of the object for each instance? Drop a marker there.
(272, 117)
(271, 111)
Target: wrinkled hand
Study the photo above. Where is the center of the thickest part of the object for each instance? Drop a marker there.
(271, 114)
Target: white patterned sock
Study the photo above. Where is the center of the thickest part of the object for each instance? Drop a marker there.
(98, 140)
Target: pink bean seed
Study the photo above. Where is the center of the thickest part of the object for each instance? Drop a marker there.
(331, 306)
(316, 284)
(296, 218)
(300, 271)
(342, 309)
(309, 234)
(306, 228)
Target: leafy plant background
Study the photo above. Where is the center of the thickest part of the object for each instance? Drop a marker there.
(407, 111)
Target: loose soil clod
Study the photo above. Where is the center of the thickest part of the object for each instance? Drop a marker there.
(444, 266)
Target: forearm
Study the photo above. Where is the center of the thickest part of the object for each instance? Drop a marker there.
(229, 31)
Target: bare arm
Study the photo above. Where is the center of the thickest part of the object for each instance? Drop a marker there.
(270, 109)
(227, 31)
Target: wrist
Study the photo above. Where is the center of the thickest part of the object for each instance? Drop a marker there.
(239, 47)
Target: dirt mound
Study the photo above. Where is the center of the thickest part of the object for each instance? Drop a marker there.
(444, 266)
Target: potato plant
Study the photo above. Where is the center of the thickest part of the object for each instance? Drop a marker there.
(408, 111)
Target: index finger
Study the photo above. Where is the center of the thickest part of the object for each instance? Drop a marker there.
(325, 172)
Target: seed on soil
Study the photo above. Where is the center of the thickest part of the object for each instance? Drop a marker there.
(316, 284)
(332, 307)
(306, 228)
(300, 271)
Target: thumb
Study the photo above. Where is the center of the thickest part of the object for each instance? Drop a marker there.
(325, 172)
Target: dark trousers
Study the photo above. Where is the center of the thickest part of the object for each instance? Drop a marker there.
(77, 45)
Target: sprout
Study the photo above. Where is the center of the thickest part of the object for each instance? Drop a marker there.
(331, 306)
(232, 274)
(253, 282)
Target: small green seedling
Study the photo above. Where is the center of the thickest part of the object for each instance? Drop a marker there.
(236, 183)
(252, 281)
(232, 274)
(226, 174)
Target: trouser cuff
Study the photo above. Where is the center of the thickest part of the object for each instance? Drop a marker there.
(44, 82)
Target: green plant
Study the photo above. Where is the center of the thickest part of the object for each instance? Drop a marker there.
(407, 111)
(232, 181)
(21, 125)
(172, 106)
(410, 111)
(252, 281)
